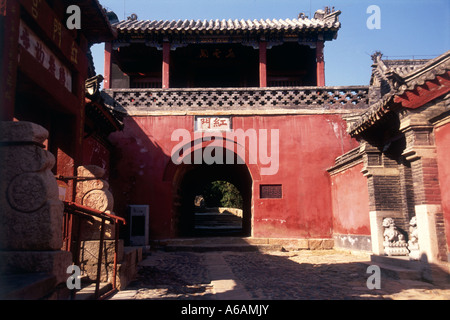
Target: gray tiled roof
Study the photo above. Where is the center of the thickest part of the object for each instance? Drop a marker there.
(328, 22)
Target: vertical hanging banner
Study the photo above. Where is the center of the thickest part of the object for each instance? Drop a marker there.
(30, 42)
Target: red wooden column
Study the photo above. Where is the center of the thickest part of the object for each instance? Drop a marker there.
(107, 70)
(166, 65)
(320, 64)
(263, 64)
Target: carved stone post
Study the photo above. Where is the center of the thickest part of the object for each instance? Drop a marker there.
(413, 243)
(93, 192)
(31, 214)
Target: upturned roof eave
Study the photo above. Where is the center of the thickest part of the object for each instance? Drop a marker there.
(427, 72)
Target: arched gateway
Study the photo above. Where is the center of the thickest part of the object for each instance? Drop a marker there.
(189, 177)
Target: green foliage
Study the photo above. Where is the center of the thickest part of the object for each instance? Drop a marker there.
(222, 194)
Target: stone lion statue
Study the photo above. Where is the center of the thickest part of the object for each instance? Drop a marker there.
(391, 234)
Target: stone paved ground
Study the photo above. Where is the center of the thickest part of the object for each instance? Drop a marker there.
(295, 275)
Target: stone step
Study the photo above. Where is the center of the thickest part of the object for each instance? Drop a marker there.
(217, 227)
(402, 268)
(87, 292)
(26, 286)
(220, 221)
(215, 220)
(230, 247)
(395, 272)
(205, 244)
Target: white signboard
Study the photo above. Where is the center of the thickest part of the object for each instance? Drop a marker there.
(212, 123)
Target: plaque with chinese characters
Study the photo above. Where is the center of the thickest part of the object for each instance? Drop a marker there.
(212, 123)
(36, 47)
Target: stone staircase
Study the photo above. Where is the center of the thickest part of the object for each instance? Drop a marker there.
(217, 223)
(128, 259)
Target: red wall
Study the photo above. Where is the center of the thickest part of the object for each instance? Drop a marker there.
(308, 146)
(95, 153)
(350, 198)
(442, 135)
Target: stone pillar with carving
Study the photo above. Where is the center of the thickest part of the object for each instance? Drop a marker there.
(93, 192)
(413, 243)
(31, 214)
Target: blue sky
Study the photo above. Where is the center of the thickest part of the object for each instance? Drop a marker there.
(419, 28)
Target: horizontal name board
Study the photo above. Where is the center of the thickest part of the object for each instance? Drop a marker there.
(212, 123)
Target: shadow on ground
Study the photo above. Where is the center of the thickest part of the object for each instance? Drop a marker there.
(295, 275)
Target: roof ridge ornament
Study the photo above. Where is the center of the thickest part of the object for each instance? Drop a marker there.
(132, 17)
(377, 55)
(327, 14)
(386, 72)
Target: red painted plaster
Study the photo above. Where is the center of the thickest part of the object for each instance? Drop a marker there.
(95, 153)
(442, 135)
(350, 202)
